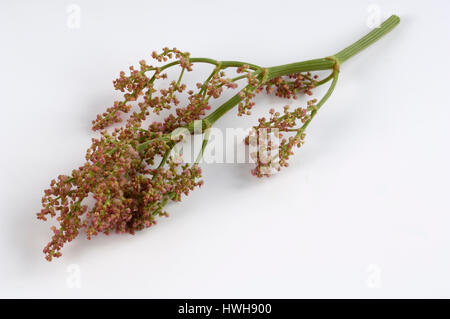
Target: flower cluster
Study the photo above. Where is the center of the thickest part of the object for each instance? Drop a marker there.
(271, 155)
(130, 174)
(290, 86)
(249, 92)
(270, 137)
(127, 187)
(138, 83)
(128, 194)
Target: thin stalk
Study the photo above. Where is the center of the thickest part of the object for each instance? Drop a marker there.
(203, 88)
(224, 108)
(321, 102)
(180, 77)
(204, 143)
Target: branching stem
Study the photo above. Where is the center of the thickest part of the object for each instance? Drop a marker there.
(266, 74)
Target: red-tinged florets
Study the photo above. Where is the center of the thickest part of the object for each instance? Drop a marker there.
(290, 86)
(271, 156)
(128, 194)
(130, 174)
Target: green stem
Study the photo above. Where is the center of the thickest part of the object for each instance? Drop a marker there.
(298, 67)
(368, 39)
(224, 108)
(223, 64)
(341, 56)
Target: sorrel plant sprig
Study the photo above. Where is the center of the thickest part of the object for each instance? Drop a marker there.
(130, 171)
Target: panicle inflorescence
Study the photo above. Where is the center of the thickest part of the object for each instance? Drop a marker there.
(270, 156)
(128, 194)
(127, 190)
(130, 174)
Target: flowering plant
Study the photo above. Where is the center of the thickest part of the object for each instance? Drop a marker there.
(129, 171)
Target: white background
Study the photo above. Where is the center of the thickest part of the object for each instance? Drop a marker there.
(362, 211)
